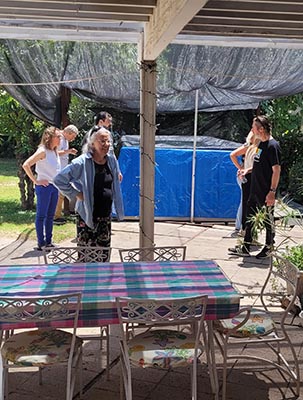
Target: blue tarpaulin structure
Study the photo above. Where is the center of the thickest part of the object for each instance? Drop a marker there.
(216, 193)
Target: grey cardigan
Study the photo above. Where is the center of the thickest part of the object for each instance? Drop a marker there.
(78, 176)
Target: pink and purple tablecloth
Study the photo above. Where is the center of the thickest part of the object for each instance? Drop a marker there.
(100, 284)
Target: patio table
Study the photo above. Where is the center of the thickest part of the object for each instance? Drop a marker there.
(101, 283)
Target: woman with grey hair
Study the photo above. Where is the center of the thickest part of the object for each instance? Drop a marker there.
(93, 179)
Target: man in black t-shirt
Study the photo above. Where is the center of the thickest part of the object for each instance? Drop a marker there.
(102, 119)
(264, 181)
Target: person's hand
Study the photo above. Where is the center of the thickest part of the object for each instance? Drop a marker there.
(120, 177)
(80, 196)
(73, 151)
(270, 199)
(42, 182)
(239, 172)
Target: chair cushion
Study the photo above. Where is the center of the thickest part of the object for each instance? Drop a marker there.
(38, 347)
(162, 348)
(259, 324)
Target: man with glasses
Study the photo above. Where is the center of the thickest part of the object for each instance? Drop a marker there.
(68, 134)
(264, 182)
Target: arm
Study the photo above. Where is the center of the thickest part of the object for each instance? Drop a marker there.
(63, 181)
(235, 154)
(271, 195)
(68, 151)
(32, 160)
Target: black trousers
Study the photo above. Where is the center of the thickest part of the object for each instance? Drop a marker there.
(252, 209)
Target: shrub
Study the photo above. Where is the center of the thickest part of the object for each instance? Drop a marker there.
(295, 255)
(296, 181)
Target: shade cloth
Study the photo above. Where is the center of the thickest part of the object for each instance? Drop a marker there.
(226, 77)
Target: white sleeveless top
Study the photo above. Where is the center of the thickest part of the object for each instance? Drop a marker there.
(249, 156)
(49, 167)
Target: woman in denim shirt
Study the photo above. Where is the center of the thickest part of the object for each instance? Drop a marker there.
(93, 179)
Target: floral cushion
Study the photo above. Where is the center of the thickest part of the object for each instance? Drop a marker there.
(38, 347)
(259, 324)
(162, 348)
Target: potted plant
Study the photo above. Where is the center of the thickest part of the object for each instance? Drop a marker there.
(288, 247)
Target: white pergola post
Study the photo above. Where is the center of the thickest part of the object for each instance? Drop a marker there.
(147, 152)
(193, 179)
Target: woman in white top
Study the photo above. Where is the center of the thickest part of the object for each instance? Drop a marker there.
(248, 150)
(47, 162)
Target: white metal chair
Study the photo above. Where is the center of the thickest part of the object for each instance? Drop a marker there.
(77, 254)
(83, 254)
(256, 326)
(43, 346)
(161, 253)
(159, 345)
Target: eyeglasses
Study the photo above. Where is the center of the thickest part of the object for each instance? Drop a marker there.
(103, 141)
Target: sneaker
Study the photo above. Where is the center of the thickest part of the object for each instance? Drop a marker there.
(59, 221)
(264, 253)
(50, 246)
(40, 248)
(235, 233)
(241, 251)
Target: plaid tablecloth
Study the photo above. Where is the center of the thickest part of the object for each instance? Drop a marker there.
(100, 284)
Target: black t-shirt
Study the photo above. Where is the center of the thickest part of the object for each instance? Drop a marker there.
(267, 155)
(103, 194)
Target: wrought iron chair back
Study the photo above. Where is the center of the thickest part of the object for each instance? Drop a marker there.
(77, 254)
(40, 309)
(156, 315)
(160, 253)
(33, 347)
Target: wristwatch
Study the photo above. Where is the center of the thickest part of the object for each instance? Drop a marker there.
(273, 190)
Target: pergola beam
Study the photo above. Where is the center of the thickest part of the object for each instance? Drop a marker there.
(168, 19)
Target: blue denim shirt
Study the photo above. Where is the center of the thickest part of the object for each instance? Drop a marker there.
(78, 176)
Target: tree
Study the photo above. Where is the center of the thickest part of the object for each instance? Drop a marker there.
(22, 130)
(286, 115)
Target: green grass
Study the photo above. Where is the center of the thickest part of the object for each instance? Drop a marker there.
(15, 222)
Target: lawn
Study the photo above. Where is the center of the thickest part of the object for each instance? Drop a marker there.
(15, 222)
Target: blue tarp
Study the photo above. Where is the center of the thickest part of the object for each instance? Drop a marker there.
(217, 194)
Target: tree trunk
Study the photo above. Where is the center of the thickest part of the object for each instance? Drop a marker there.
(26, 187)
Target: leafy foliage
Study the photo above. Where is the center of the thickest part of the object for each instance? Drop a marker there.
(295, 255)
(22, 130)
(295, 186)
(286, 115)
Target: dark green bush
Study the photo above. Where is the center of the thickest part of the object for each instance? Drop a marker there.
(295, 186)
